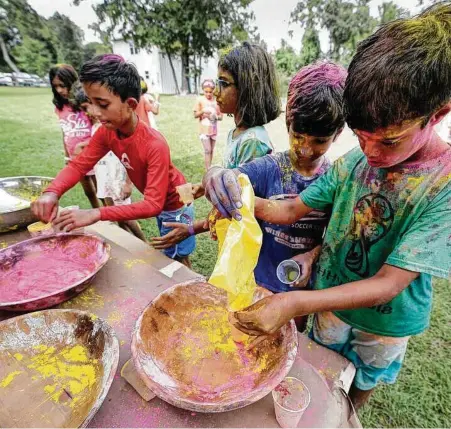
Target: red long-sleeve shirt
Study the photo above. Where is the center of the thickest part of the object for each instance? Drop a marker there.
(145, 155)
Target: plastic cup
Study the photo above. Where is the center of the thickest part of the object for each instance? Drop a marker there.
(291, 399)
(186, 193)
(288, 271)
(62, 209)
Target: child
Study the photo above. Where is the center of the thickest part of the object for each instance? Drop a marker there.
(208, 113)
(113, 87)
(253, 103)
(147, 107)
(391, 215)
(314, 120)
(113, 184)
(74, 123)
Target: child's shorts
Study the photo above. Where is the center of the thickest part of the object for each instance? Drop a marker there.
(376, 358)
(185, 247)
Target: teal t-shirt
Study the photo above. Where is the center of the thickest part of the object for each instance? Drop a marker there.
(400, 217)
(250, 144)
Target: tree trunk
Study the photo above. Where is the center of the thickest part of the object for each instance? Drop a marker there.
(6, 57)
(196, 88)
(173, 73)
(186, 87)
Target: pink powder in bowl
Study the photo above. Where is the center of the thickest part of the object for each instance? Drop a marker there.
(44, 266)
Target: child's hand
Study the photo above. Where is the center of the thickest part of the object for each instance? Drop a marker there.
(179, 233)
(69, 220)
(210, 223)
(198, 191)
(306, 261)
(223, 191)
(45, 207)
(126, 190)
(265, 317)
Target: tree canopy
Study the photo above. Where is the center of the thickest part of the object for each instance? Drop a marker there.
(32, 44)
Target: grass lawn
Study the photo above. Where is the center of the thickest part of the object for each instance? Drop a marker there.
(31, 144)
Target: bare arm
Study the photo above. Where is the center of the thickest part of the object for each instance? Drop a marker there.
(268, 315)
(281, 212)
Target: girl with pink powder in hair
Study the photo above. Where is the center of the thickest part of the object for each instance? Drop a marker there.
(208, 113)
(75, 124)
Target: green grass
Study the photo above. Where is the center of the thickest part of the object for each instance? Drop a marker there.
(31, 144)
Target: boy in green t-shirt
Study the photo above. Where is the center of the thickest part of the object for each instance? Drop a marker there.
(390, 201)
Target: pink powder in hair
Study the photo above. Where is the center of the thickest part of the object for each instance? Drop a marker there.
(113, 57)
(313, 75)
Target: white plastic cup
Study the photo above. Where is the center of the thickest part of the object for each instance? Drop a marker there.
(186, 193)
(62, 209)
(288, 271)
(291, 399)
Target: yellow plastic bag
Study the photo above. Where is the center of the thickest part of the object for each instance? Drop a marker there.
(239, 248)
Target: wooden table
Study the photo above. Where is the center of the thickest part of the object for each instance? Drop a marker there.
(133, 277)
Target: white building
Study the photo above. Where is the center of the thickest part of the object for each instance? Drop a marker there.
(153, 65)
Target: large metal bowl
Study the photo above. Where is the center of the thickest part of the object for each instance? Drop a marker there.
(47, 270)
(183, 349)
(56, 367)
(16, 195)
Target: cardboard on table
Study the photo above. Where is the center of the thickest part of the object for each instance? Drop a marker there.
(133, 277)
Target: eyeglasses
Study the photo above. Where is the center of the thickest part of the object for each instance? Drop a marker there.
(223, 84)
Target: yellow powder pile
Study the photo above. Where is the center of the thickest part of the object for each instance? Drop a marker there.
(69, 371)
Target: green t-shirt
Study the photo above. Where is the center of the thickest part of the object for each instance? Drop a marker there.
(249, 145)
(400, 217)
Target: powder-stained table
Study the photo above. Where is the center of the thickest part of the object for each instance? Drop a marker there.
(135, 275)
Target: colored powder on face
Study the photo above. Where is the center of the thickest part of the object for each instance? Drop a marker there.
(70, 371)
(9, 378)
(43, 268)
(18, 356)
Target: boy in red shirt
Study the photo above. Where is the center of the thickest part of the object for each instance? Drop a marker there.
(114, 89)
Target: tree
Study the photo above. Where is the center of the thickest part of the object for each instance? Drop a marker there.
(286, 59)
(347, 22)
(311, 46)
(388, 11)
(25, 39)
(70, 39)
(178, 27)
(92, 49)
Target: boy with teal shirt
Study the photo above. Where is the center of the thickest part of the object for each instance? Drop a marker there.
(391, 206)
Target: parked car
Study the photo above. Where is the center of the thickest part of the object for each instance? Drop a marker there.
(22, 79)
(36, 80)
(6, 80)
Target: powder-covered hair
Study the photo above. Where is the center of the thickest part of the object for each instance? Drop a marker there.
(401, 72)
(315, 99)
(68, 76)
(254, 75)
(144, 87)
(113, 72)
(208, 83)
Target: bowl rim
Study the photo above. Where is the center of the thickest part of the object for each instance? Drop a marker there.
(208, 406)
(104, 260)
(105, 387)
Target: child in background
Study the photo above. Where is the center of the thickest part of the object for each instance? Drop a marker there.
(208, 113)
(74, 123)
(141, 150)
(147, 107)
(390, 225)
(114, 187)
(253, 103)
